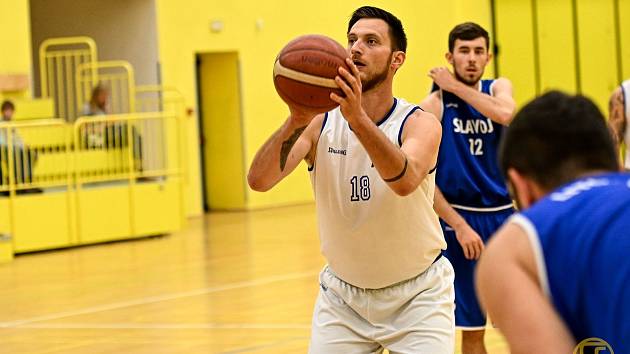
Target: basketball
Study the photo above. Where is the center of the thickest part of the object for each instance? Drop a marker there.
(305, 69)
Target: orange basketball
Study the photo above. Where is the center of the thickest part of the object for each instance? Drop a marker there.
(305, 70)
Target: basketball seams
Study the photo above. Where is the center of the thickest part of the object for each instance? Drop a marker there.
(316, 80)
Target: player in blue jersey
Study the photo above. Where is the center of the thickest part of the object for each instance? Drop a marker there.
(472, 198)
(564, 273)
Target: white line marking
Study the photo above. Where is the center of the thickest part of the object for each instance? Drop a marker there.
(167, 326)
(159, 298)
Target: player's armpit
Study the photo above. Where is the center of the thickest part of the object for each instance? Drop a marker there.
(509, 289)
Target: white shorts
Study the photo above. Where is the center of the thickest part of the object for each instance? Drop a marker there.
(413, 316)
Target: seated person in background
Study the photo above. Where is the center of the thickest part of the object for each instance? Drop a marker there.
(23, 157)
(93, 133)
(98, 101)
(111, 134)
(619, 115)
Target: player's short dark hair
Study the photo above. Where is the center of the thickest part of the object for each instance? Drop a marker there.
(396, 30)
(6, 104)
(555, 138)
(467, 31)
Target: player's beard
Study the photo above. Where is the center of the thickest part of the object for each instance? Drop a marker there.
(469, 82)
(377, 78)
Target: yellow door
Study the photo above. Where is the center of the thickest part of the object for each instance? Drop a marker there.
(220, 104)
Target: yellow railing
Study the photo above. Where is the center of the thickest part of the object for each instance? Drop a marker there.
(117, 76)
(23, 145)
(169, 99)
(59, 59)
(80, 176)
(125, 146)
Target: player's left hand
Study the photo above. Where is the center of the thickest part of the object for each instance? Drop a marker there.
(443, 78)
(350, 84)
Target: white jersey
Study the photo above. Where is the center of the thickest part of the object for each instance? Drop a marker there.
(625, 89)
(371, 237)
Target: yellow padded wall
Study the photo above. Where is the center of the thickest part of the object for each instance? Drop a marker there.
(624, 41)
(597, 48)
(556, 45)
(515, 37)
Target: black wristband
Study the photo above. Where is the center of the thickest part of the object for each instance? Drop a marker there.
(402, 173)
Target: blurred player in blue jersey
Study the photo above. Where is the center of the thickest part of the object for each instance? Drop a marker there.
(472, 198)
(619, 118)
(559, 272)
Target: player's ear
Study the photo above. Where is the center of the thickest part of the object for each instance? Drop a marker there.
(449, 57)
(398, 58)
(523, 188)
(490, 56)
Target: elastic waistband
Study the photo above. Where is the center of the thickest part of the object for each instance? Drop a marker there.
(327, 269)
(483, 210)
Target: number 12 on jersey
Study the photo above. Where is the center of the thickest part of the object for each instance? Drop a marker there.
(476, 146)
(360, 188)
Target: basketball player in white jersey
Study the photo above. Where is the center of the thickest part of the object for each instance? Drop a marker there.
(619, 115)
(371, 161)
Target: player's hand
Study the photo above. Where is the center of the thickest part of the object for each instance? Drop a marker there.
(443, 78)
(471, 242)
(350, 83)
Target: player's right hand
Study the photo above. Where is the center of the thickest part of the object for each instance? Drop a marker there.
(470, 241)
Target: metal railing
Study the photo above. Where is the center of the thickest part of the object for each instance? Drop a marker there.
(59, 59)
(117, 76)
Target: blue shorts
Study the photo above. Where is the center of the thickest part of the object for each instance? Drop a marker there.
(468, 313)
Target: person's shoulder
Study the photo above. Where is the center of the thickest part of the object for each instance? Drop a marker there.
(501, 82)
(432, 103)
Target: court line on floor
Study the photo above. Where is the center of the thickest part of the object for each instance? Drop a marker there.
(159, 298)
(264, 346)
(166, 326)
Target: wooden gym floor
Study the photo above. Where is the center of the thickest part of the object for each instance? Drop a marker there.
(239, 282)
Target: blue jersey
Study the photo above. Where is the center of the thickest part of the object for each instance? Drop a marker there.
(467, 170)
(583, 229)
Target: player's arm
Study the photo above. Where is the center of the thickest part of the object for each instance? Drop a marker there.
(509, 289)
(295, 140)
(499, 107)
(617, 118)
(433, 104)
(402, 168)
(468, 239)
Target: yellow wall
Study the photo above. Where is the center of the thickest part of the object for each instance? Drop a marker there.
(257, 31)
(597, 42)
(547, 33)
(556, 45)
(624, 19)
(516, 47)
(15, 41)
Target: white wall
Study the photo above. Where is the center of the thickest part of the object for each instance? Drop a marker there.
(122, 29)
